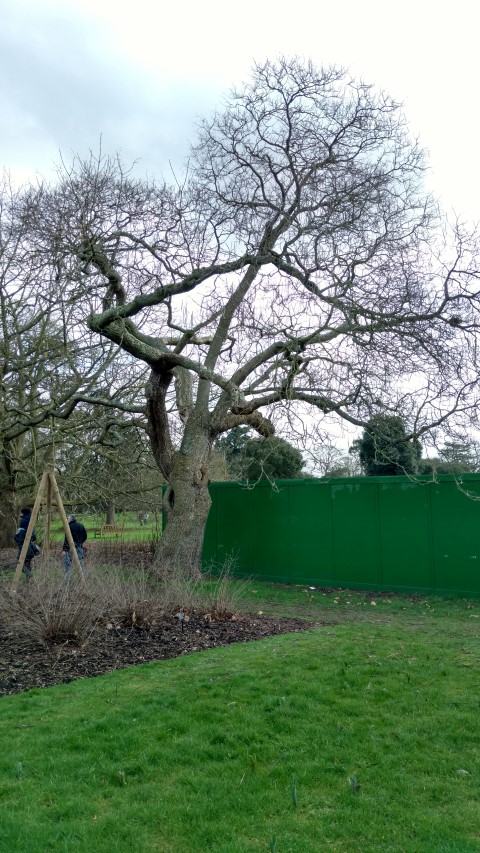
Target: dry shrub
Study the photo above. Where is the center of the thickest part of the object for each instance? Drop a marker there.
(136, 598)
(129, 601)
(118, 552)
(48, 609)
(222, 592)
(179, 593)
(217, 593)
(225, 595)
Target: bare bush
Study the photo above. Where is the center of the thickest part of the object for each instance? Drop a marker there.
(129, 601)
(135, 598)
(49, 609)
(222, 592)
(119, 552)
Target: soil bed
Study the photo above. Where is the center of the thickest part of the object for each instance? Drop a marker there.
(26, 664)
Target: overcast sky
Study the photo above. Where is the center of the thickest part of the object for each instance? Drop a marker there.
(138, 73)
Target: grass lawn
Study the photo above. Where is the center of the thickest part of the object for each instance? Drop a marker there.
(361, 735)
(133, 530)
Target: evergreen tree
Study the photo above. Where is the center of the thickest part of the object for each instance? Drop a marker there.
(260, 458)
(271, 459)
(385, 450)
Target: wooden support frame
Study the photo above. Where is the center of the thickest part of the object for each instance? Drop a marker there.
(48, 487)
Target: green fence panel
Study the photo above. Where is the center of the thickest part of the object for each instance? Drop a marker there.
(269, 532)
(232, 509)
(210, 535)
(390, 533)
(311, 534)
(405, 535)
(355, 533)
(456, 535)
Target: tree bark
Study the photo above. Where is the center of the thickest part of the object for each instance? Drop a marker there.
(187, 500)
(110, 517)
(8, 510)
(186, 505)
(157, 418)
(8, 520)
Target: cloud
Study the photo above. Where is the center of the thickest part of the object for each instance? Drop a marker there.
(63, 85)
(139, 74)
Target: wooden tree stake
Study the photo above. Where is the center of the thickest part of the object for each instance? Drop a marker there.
(48, 526)
(48, 483)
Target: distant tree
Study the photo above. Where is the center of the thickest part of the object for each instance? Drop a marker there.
(328, 461)
(271, 459)
(385, 449)
(49, 365)
(232, 444)
(453, 458)
(462, 454)
(109, 467)
(435, 465)
(250, 458)
(345, 467)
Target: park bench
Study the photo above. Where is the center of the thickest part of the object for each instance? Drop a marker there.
(109, 530)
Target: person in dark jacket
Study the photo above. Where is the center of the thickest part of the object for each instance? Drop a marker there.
(19, 538)
(79, 536)
(25, 516)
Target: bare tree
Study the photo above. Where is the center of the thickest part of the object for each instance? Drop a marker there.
(297, 267)
(108, 465)
(326, 460)
(49, 364)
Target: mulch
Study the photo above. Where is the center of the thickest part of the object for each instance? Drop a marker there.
(27, 664)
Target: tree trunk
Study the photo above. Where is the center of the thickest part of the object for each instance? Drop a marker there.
(187, 500)
(110, 517)
(187, 504)
(8, 519)
(8, 509)
(179, 551)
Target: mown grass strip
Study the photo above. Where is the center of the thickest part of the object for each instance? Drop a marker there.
(132, 530)
(357, 737)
